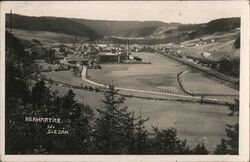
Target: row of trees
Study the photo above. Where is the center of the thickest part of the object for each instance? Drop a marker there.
(229, 66)
(31, 138)
(114, 131)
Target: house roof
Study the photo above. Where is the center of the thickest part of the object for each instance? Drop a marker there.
(108, 54)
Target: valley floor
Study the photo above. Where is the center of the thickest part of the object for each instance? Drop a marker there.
(193, 121)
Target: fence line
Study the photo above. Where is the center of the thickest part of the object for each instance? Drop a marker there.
(179, 80)
(218, 75)
(201, 99)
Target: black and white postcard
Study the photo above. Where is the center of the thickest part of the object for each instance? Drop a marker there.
(124, 81)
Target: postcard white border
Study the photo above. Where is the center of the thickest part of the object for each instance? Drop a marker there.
(243, 118)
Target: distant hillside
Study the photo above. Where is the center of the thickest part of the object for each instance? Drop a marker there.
(108, 28)
(218, 25)
(135, 33)
(141, 31)
(190, 27)
(224, 25)
(52, 24)
(181, 32)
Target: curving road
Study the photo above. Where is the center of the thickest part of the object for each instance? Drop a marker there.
(179, 80)
(84, 77)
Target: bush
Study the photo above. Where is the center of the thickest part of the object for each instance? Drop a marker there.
(91, 88)
(97, 89)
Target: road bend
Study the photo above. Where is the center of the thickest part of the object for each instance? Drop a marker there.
(85, 78)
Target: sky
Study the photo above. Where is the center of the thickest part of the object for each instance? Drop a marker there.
(166, 11)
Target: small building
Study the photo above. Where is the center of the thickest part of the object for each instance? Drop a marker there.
(205, 54)
(75, 60)
(109, 57)
(112, 57)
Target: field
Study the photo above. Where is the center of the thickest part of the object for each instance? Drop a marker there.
(46, 66)
(160, 74)
(223, 46)
(197, 83)
(192, 121)
(46, 38)
(65, 77)
(217, 50)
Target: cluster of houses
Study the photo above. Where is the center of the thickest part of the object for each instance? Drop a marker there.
(197, 43)
(116, 53)
(79, 53)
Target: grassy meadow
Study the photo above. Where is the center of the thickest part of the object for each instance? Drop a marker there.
(192, 121)
(196, 83)
(160, 74)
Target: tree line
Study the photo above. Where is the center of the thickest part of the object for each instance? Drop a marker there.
(114, 131)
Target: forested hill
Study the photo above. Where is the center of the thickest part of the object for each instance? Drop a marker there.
(52, 24)
(224, 24)
(158, 29)
(95, 29)
(109, 27)
(218, 25)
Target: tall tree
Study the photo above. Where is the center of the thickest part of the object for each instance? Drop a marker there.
(24, 137)
(33, 138)
(76, 120)
(230, 144)
(112, 125)
(221, 149)
(141, 140)
(166, 141)
(200, 149)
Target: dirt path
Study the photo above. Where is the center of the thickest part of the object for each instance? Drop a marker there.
(85, 78)
(179, 80)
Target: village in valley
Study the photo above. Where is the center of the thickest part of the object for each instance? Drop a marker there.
(176, 75)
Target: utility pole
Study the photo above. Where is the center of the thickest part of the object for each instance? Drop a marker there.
(10, 21)
(10, 36)
(127, 49)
